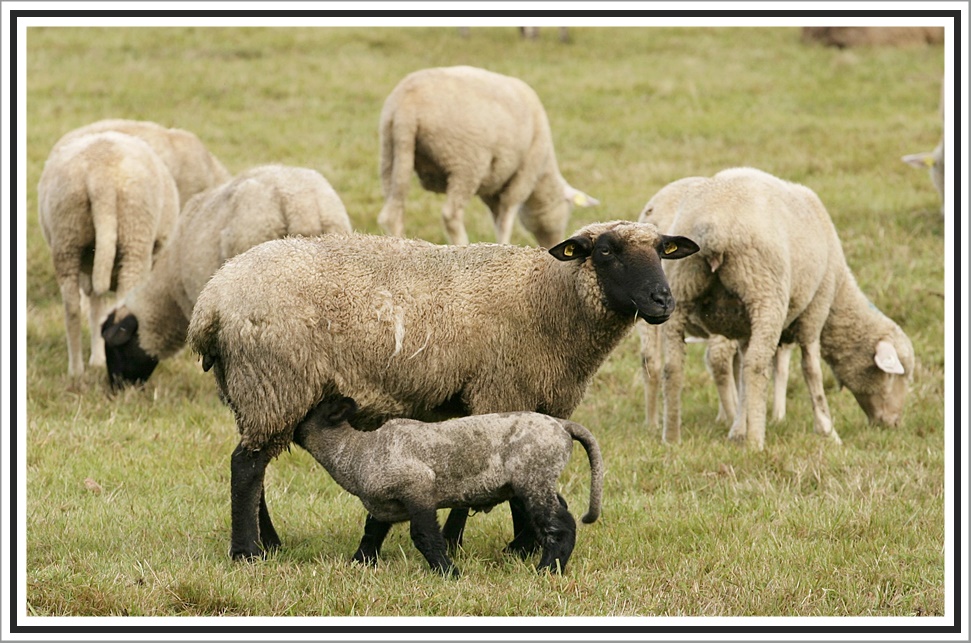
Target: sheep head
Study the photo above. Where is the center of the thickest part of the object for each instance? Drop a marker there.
(127, 362)
(626, 258)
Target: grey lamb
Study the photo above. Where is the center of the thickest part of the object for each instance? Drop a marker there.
(411, 329)
(406, 470)
(263, 203)
(467, 131)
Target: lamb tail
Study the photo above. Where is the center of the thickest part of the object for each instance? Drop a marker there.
(582, 435)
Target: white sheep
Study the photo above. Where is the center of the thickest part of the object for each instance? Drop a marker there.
(406, 470)
(842, 37)
(411, 329)
(106, 203)
(193, 167)
(263, 203)
(932, 161)
(467, 131)
(721, 354)
(771, 271)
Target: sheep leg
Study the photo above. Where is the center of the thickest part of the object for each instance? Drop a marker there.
(749, 424)
(720, 358)
(651, 370)
(525, 541)
(454, 528)
(780, 381)
(249, 513)
(71, 296)
(96, 313)
(427, 537)
(457, 194)
(375, 532)
(672, 334)
(813, 374)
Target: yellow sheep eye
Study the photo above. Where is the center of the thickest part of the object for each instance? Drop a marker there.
(670, 247)
(568, 250)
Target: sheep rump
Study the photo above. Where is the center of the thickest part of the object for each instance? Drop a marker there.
(106, 203)
(467, 131)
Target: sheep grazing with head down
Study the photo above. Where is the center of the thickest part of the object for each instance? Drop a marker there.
(771, 271)
(410, 329)
(193, 167)
(266, 202)
(406, 470)
(106, 204)
(467, 131)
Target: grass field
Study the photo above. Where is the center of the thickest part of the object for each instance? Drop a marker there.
(703, 528)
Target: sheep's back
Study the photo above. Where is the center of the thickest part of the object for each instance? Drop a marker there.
(389, 322)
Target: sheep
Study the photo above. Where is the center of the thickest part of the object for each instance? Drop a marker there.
(771, 271)
(407, 470)
(469, 131)
(106, 204)
(192, 166)
(721, 353)
(411, 329)
(842, 37)
(933, 161)
(263, 203)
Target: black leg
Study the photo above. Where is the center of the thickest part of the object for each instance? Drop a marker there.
(249, 512)
(268, 536)
(374, 533)
(428, 539)
(524, 542)
(454, 528)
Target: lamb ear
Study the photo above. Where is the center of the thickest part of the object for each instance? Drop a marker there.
(572, 248)
(344, 409)
(119, 333)
(578, 198)
(676, 247)
(886, 358)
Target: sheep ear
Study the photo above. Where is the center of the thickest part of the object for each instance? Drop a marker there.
(120, 333)
(676, 247)
(572, 248)
(886, 358)
(923, 159)
(578, 198)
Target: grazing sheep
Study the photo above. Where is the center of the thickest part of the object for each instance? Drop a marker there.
(466, 131)
(933, 161)
(266, 202)
(407, 470)
(192, 166)
(411, 329)
(771, 271)
(721, 353)
(843, 37)
(106, 204)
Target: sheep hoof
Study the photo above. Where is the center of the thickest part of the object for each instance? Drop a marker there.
(365, 559)
(522, 546)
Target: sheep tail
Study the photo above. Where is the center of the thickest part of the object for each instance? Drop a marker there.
(398, 152)
(583, 435)
(104, 215)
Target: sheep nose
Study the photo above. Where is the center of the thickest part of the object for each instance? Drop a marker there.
(664, 299)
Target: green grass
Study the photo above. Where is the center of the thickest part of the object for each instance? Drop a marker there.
(703, 528)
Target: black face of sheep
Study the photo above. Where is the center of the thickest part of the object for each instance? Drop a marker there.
(127, 362)
(630, 277)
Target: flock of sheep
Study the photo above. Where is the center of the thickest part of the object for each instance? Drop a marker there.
(427, 376)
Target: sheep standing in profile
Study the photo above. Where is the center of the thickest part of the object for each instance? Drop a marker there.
(467, 131)
(410, 329)
(771, 271)
(193, 167)
(266, 202)
(106, 203)
(407, 470)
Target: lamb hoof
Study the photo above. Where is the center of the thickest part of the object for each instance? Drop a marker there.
(247, 555)
(364, 559)
(522, 547)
